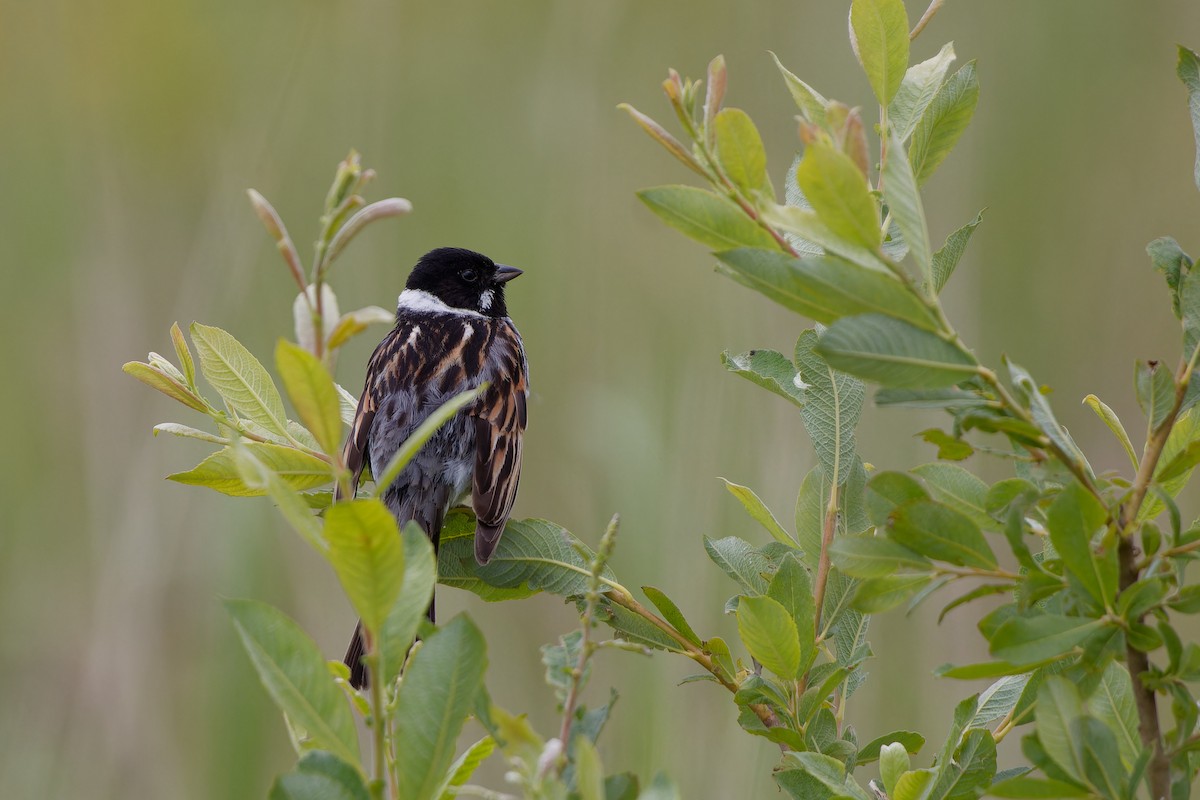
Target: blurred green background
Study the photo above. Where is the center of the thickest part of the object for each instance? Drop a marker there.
(131, 130)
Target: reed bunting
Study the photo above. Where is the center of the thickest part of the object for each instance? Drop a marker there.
(452, 334)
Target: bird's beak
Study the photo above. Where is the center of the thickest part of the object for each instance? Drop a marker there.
(504, 273)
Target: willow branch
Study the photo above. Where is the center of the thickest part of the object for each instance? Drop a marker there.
(629, 602)
(827, 531)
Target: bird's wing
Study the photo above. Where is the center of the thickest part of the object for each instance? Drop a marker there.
(500, 420)
(391, 364)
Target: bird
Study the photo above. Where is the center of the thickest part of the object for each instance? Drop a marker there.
(452, 334)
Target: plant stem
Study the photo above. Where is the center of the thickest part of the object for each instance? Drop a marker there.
(586, 646)
(1169, 553)
(974, 572)
(1158, 771)
(721, 181)
(378, 727)
(827, 531)
(934, 6)
(221, 418)
(1009, 723)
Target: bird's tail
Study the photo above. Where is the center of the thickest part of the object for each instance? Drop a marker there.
(359, 677)
(358, 645)
(354, 658)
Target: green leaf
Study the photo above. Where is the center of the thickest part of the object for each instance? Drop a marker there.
(808, 234)
(1043, 415)
(917, 91)
(168, 385)
(1074, 518)
(1173, 472)
(1186, 601)
(971, 769)
(219, 471)
(810, 102)
(952, 399)
(894, 353)
(366, 553)
(1098, 751)
(416, 592)
(876, 595)
(998, 700)
(456, 565)
(464, 767)
(914, 785)
(1188, 71)
(347, 405)
(943, 122)
(811, 503)
(887, 490)
(239, 378)
(660, 788)
(671, 613)
(1168, 258)
(1110, 418)
(435, 698)
(1111, 702)
(1030, 640)
(313, 395)
(184, 354)
(1058, 704)
(256, 476)
(293, 671)
(759, 512)
(823, 288)
(959, 489)
(840, 195)
(946, 259)
(187, 432)
(1155, 391)
(988, 669)
(1037, 788)
(589, 773)
(984, 590)
(740, 151)
(904, 201)
(831, 413)
(769, 369)
(633, 628)
(814, 776)
(940, 532)
(534, 555)
(320, 776)
(872, 556)
(561, 661)
(792, 589)
(910, 741)
(352, 323)
(1189, 309)
(770, 635)
(879, 33)
(893, 763)
(710, 219)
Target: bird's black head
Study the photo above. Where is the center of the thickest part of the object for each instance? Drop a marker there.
(463, 279)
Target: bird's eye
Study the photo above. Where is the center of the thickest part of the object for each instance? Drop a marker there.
(469, 275)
